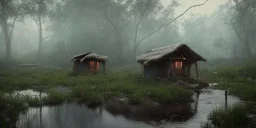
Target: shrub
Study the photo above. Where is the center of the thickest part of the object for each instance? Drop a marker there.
(246, 91)
(234, 117)
(207, 125)
(101, 86)
(10, 109)
(170, 94)
(54, 97)
(32, 101)
(91, 99)
(137, 97)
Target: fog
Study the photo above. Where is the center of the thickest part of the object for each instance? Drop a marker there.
(119, 29)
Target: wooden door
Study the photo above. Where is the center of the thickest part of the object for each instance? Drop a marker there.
(177, 67)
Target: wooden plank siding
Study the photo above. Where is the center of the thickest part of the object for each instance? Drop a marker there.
(167, 68)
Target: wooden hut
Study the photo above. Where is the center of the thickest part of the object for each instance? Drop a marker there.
(89, 62)
(173, 60)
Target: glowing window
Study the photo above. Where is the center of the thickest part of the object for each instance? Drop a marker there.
(177, 65)
(92, 65)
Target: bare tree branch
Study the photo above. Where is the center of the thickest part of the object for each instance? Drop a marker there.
(47, 37)
(153, 32)
(113, 25)
(143, 15)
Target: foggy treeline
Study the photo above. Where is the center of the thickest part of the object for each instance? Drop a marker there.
(121, 29)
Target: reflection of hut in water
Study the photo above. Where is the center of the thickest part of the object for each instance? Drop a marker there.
(89, 62)
(157, 113)
(169, 61)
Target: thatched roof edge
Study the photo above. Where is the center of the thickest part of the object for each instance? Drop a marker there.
(88, 55)
(159, 53)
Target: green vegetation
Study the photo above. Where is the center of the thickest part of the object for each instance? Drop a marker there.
(54, 97)
(32, 101)
(234, 117)
(207, 125)
(239, 81)
(94, 89)
(10, 109)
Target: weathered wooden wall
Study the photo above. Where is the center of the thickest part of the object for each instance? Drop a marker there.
(157, 69)
(89, 67)
(164, 68)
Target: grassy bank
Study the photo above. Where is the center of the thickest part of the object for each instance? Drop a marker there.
(94, 89)
(234, 117)
(239, 81)
(10, 109)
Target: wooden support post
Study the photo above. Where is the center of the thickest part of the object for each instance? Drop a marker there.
(226, 99)
(189, 68)
(196, 70)
(40, 95)
(85, 67)
(104, 67)
(40, 88)
(169, 69)
(74, 66)
(173, 70)
(95, 66)
(197, 100)
(88, 66)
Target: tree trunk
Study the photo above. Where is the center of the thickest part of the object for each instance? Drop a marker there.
(197, 76)
(135, 41)
(7, 39)
(234, 52)
(119, 45)
(8, 50)
(248, 48)
(40, 37)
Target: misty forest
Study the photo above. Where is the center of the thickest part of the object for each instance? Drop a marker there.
(127, 63)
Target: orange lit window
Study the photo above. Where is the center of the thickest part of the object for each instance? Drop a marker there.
(97, 66)
(92, 65)
(177, 65)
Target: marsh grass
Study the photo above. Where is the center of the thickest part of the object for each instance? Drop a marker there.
(246, 91)
(10, 109)
(55, 97)
(32, 101)
(239, 81)
(207, 124)
(93, 88)
(234, 117)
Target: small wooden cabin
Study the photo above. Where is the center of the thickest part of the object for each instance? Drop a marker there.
(169, 61)
(89, 62)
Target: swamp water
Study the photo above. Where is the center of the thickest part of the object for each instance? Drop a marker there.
(72, 115)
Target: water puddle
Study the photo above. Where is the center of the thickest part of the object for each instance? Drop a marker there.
(208, 100)
(213, 84)
(29, 92)
(37, 94)
(122, 116)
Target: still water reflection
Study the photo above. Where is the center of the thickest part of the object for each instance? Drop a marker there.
(73, 115)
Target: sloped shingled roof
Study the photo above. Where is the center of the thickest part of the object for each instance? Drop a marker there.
(159, 53)
(89, 56)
